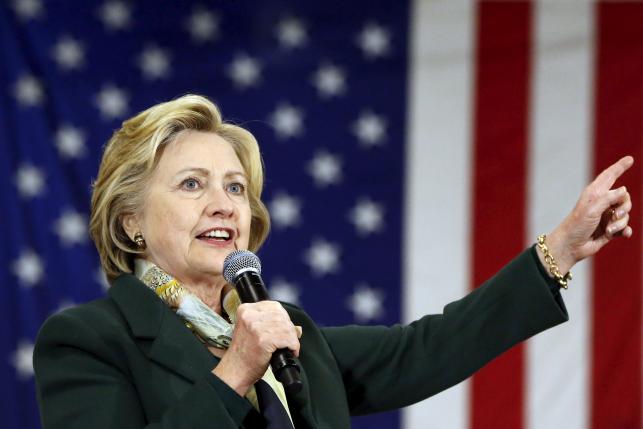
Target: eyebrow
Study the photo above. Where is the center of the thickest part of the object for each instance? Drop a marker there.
(206, 172)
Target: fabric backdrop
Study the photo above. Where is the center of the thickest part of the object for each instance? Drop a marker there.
(411, 149)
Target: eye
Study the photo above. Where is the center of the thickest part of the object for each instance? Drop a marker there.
(191, 184)
(237, 188)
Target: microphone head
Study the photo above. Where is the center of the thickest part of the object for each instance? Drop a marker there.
(239, 261)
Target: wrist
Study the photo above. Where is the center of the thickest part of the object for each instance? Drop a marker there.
(549, 261)
(231, 377)
(560, 251)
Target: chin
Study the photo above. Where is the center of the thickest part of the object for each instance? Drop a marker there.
(212, 265)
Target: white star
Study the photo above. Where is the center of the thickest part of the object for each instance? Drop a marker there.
(367, 216)
(374, 40)
(28, 91)
(64, 304)
(322, 257)
(366, 303)
(28, 268)
(27, 9)
(282, 290)
(22, 359)
(326, 169)
(291, 33)
(116, 15)
(101, 278)
(244, 71)
(370, 129)
(203, 25)
(30, 181)
(71, 228)
(330, 81)
(70, 142)
(287, 121)
(285, 210)
(112, 102)
(69, 53)
(155, 63)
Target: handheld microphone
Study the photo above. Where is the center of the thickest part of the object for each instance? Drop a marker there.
(242, 269)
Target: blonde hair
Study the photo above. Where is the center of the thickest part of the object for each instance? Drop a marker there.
(130, 157)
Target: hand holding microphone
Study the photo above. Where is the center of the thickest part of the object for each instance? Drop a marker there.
(263, 331)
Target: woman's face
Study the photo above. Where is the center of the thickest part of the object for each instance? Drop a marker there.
(196, 209)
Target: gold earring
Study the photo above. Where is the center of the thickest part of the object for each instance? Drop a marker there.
(139, 240)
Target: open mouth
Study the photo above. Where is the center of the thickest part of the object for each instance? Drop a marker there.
(219, 235)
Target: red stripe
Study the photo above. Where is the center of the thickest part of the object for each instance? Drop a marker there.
(499, 187)
(616, 331)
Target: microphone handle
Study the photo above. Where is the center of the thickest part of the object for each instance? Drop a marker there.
(251, 288)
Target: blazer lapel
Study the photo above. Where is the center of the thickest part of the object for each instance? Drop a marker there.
(169, 342)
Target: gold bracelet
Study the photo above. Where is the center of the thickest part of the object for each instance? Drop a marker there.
(551, 262)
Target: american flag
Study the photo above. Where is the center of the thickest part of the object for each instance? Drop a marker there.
(411, 150)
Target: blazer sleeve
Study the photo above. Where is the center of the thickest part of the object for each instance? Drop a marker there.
(390, 367)
(82, 382)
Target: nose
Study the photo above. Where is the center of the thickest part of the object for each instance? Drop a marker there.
(219, 204)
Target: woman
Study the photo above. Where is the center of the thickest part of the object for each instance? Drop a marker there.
(177, 191)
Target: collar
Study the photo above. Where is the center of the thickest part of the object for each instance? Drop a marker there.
(164, 338)
(209, 325)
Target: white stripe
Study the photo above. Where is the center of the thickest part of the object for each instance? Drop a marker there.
(438, 181)
(560, 165)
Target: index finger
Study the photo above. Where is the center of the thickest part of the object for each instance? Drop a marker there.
(606, 179)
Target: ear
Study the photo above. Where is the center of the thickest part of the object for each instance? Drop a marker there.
(130, 224)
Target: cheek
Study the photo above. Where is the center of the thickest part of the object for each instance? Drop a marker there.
(170, 226)
(245, 222)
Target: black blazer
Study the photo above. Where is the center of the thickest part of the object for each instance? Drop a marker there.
(127, 361)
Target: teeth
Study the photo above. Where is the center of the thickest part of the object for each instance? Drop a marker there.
(218, 233)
